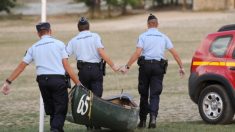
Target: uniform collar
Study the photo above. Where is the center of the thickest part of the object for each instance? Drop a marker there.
(45, 36)
(84, 32)
(152, 29)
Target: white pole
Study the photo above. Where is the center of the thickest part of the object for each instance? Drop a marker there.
(42, 112)
(41, 116)
(44, 10)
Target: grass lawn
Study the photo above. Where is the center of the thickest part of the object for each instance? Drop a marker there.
(19, 110)
(192, 126)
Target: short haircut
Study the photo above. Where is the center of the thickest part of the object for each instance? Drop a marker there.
(45, 31)
(83, 27)
(153, 21)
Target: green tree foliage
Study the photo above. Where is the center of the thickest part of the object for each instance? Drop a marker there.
(93, 5)
(122, 4)
(170, 2)
(89, 3)
(6, 5)
(160, 2)
(111, 4)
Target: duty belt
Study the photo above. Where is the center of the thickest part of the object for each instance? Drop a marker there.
(47, 76)
(152, 61)
(87, 63)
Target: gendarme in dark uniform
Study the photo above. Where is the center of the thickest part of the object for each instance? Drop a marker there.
(89, 51)
(152, 67)
(85, 46)
(50, 58)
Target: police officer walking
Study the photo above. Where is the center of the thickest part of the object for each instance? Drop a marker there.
(51, 62)
(152, 67)
(89, 52)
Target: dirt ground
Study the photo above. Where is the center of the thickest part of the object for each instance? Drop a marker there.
(186, 29)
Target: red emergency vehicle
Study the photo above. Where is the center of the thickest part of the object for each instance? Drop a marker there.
(212, 77)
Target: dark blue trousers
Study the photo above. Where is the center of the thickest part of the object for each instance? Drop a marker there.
(55, 96)
(150, 88)
(91, 77)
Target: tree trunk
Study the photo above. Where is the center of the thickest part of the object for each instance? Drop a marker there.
(92, 12)
(92, 9)
(95, 9)
(167, 2)
(124, 11)
(109, 11)
(184, 5)
(153, 3)
(176, 2)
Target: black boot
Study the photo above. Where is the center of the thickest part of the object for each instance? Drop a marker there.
(54, 130)
(97, 128)
(89, 127)
(142, 124)
(152, 121)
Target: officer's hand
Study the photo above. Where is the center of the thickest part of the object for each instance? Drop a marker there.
(115, 68)
(123, 70)
(79, 84)
(5, 88)
(181, 72)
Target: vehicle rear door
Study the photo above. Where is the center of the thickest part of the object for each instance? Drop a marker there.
(218, 53)
(230, 71)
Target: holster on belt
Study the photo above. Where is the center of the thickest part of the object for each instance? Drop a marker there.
(79, 65)
(164, 64)
(67, 80)
(103, 66)
(140, 60)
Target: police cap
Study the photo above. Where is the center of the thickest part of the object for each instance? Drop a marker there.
(83, 21)
(43, 26)
(151, 17)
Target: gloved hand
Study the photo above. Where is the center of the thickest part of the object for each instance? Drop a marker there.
(124, 69)
(181, 72)
(5, 88)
